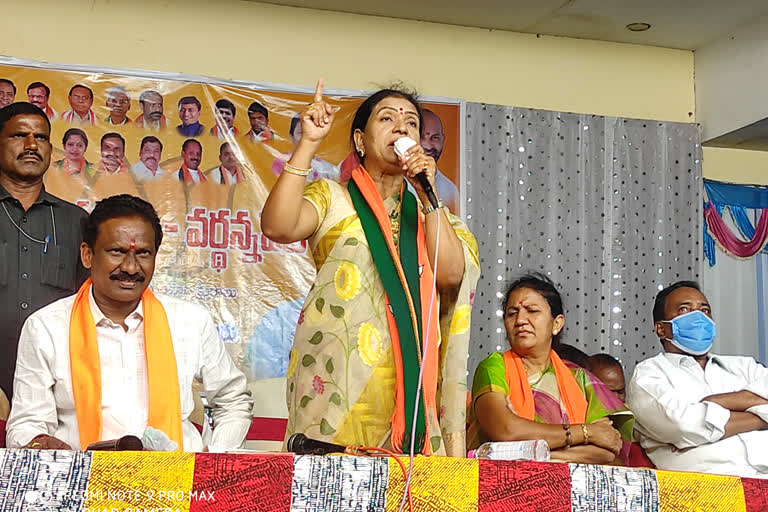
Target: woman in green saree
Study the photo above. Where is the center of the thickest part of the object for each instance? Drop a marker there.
(530, 393)
(371, 318)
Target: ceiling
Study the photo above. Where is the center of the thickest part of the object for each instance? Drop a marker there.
(683, 24)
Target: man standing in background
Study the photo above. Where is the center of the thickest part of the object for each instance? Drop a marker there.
(39, 233)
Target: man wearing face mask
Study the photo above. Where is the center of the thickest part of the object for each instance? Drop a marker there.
(697, 411)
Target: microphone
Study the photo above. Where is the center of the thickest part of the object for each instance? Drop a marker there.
(303, 445)
(125, 443)
(402, 145)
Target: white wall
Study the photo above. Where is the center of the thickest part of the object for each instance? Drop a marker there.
(732, 80)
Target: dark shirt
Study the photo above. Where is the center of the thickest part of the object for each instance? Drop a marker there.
(190, 130)
(29, 277)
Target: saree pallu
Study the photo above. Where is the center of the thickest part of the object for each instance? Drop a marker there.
(341, 374)
(490, 376)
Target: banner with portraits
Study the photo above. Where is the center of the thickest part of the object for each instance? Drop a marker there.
(205, 153)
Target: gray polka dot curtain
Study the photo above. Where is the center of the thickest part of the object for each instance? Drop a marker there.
(608, 208)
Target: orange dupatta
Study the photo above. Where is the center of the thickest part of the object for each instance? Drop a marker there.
(162, 373)
(429, 392)
(521, 396)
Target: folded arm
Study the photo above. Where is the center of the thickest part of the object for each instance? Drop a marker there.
(667, 416)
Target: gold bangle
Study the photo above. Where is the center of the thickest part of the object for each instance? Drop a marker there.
(429, 208)
(585, 432)
(298, 171)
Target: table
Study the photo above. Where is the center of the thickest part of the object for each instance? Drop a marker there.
(208, 482)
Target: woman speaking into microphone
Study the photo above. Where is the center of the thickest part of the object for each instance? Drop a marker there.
(395, 277)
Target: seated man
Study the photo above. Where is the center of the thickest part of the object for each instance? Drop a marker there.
(698, 411)
(115, 358)
(606, 368)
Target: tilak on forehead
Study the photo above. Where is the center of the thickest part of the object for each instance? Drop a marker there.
(133, 243)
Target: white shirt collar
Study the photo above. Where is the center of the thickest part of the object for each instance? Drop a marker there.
(99, 318)
(680, 360)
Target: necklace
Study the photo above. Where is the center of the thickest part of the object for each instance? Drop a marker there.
(394, 221)
(47, 238)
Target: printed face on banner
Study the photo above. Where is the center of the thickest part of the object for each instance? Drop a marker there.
(81, 100)
(432, 136)
(228, 158)
(213, 251)
(112, 153)
(38, 97)
(75, 147)
(150, 154)
(118, 104)
(7, 94)
(192, 154)
(258, 121)
(227, 116)
(189, 113)
(25, 147)
(152, 106)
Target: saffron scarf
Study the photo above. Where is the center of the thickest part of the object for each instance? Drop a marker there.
(186, 176)
(238, 177)
(407, 279)
(162, 373)
(521, 396)
(140, 123)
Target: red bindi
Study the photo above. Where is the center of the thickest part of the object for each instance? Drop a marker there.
(133, 243)
(520, 303)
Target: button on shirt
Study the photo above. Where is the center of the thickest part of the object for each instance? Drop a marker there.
(45, 403)
(29, 277)
(679, 432)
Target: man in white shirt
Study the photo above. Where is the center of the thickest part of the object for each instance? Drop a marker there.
(192, 154)
(697, 411)
(150, 153)
(115, 358)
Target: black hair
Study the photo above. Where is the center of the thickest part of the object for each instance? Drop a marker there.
(36, 85)
(6, 81)
(544, 286)
(363, 112)
(571, 353)
(120, 206)
(81, 86)
(21, 108)
(189, 141)
(190, 99)
(221, 148)
(258, 107)
(150, 138)
(112, 135)
(74, 131)
(602, 360)
(295, 120)
(225, 103)
(661, 298)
